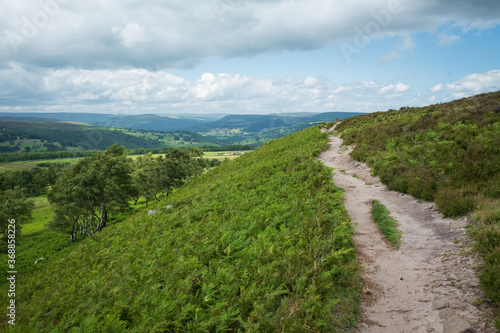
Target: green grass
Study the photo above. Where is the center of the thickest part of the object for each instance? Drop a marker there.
(261, 243)
(447, 153)
(20, 165)
(35, 241)
(387, 225)
(12, 166)
(42, 214)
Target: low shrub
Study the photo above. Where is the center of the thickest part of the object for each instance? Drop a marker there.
(489, 276)
(454, 202)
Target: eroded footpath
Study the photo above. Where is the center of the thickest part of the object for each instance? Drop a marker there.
(430, 283)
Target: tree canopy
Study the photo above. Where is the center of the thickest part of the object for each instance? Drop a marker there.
(93, 188)
(14, 207)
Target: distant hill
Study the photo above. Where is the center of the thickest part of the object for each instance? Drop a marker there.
(250, 123)
(49, 135)
(151, 122)
(142, 122)
(89, 118)
(28, 119)
(256, 123)
(224, 130)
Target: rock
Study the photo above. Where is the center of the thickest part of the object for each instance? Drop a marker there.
(465, 288)
(366, 290)
(153, 211)
(439, 303)
(424, 299)
(445, 313)
(430, 330)
(456, 324)
(455, 277)
(170, 206)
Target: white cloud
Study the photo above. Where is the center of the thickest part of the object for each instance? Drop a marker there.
(476, 83)
(389, 57)
(447, 40)
(394, 89)
(437, 88)
(167, 34)
(470, 85)
(137, 90)
(407, 45)
(130, 35)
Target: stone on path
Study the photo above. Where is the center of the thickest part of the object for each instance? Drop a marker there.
(456, 324)
(445, 313)
(439, 303)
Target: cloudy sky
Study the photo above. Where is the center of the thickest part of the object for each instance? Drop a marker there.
(244, 56)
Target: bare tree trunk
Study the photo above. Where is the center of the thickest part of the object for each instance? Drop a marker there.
(103, 218)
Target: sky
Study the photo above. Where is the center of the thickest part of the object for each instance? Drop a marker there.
(244, 56)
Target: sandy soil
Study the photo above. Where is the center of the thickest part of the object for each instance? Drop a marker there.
(426, 285)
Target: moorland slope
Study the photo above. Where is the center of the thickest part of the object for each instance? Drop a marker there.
(260, 244)
(447, 153)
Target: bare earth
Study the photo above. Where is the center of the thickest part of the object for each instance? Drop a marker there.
(430, 283)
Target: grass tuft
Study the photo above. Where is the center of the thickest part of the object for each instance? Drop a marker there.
(387, 225)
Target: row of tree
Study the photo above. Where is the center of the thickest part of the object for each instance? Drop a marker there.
(105, 183)
(85, 195)
(46, 155)
(34, 181)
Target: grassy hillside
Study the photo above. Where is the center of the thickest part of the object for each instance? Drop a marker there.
(260, 244)
(42, 137)
(89, 118)
(449, 153)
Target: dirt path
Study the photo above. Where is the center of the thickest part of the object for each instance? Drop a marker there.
(429, 284)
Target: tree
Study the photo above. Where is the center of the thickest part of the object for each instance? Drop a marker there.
(178, 166)
(14, 207)
(161, 175)
(147, 171)
(95, 187)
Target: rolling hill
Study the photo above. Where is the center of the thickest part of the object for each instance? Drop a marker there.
(198, 123)
(258, 123)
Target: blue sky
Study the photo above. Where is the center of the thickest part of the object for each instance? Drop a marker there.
(244, 56)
